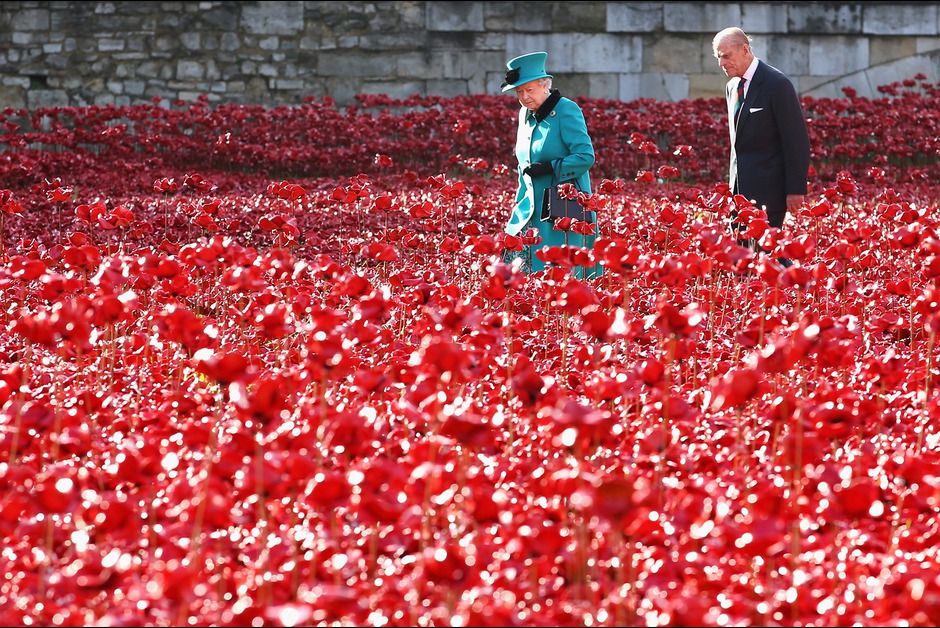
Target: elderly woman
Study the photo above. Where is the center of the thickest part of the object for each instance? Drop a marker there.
(552, 143)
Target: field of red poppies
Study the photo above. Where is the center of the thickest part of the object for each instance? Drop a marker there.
(267, 367)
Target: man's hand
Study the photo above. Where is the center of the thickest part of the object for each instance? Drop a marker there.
(794, 202)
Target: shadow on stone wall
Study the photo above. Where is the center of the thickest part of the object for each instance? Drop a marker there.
(866, 82)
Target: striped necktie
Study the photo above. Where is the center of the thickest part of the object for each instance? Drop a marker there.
(739, 100)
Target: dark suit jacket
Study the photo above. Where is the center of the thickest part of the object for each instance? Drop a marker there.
(769, 143)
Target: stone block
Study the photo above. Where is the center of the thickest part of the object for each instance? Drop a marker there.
(522, 43)
(580, 52)
(499, 23)
(899, 19)
(580, 17)
(58, 62)
(454, 16)
(345, 63)
(134, 88)
(221, 18)
(135, 43)
(229, 42)
(15, 82)
(268, 70)
(837, 55)
(532, 20)
(884, 49)
(394, 89)
(764, 17)
(13, 96)
(901, 70)
(447, 88)
(286, 84)
(269, 43)
(477, 66)
(573, 85)
(603, 53)
(419, 65)
(814, 87)
(37, 98)
(656, 85)
(189, 70)
(857, 83)
(108, 99)
(673, 86)
(708, 85)
(789, 54)
(23, 39)
(191, 41)
(272, 18)
(825, 18)
(696, 17)
(399, 43)
(926, 44)
(675, 53)
(26, 19)
(635, 17)
(601, 86)
(110, 45)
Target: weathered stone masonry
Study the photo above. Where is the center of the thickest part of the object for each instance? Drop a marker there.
(271, 53)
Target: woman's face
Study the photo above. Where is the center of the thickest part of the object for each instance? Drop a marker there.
(532, 94)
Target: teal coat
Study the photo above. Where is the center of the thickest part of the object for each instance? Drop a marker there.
(557, 133)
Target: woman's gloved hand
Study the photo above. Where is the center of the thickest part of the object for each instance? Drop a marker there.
(538, 169)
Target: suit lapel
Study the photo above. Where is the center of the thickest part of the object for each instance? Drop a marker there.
(752, 91)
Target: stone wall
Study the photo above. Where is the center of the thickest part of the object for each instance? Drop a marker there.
(271, 53)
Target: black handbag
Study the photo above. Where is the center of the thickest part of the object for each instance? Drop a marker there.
(554, 206)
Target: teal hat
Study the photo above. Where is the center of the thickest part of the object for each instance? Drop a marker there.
(524, 69)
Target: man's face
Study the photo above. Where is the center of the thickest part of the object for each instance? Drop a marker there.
(733, 58)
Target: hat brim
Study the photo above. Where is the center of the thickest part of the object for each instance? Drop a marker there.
(523, 80)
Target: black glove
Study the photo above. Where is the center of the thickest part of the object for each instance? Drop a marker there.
(538, 169)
